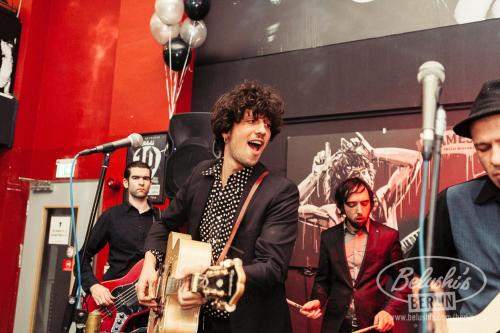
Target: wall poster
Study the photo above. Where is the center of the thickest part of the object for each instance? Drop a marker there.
(153, 152)
(10, 32)
(389, 161)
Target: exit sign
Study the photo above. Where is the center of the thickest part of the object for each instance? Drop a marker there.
(63, 168)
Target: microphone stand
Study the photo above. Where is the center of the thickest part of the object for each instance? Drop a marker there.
(438, 140)
(424, 238)
(79, 316)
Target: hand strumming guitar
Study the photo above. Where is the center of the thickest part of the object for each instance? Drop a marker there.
(101, 295)
(146, 285)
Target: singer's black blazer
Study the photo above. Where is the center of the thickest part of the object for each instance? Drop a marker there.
(264, 242)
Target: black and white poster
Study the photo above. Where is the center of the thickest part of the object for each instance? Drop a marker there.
(153, 153)
(389, 161)
(10, 31)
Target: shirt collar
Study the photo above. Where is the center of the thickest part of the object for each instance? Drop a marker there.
(127, 206)
(489, 192)
(216, 170)
(365, 228)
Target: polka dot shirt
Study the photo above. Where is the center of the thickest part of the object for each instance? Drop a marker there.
(219, 214)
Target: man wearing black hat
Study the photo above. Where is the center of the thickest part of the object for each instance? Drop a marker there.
(467, 224)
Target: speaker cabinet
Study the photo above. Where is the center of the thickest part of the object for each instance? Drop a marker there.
(190, 142)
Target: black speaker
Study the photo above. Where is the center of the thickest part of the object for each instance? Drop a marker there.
(8, 110)
(190, 142)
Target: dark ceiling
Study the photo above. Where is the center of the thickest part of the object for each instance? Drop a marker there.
(239, 29)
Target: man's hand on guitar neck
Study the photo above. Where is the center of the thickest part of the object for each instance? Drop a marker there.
(101, 295)
(186, 298)
(146, 285)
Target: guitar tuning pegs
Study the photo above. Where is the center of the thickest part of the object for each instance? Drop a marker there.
(212, 292)
(216, 305)
(229, 307)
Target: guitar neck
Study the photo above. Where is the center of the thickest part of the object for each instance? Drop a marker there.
(221, 285)
(174, 284)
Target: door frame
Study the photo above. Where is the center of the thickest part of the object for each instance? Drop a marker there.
(33, 244)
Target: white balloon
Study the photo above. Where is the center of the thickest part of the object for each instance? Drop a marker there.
(169, 11)
(162, 32)
(193, 32)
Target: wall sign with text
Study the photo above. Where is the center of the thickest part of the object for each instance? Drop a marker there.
(153, 152)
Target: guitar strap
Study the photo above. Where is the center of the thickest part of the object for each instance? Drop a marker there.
(240, 216)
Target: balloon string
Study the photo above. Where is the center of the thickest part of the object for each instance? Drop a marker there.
(183, 74)
(184, 67)
(167, 83)
(174, 94)
(172, 85)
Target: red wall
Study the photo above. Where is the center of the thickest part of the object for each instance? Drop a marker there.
(88, 72)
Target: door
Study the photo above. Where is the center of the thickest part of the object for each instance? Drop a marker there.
(45, 276)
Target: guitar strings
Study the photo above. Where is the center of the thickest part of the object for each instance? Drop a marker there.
(129, 294)
(120, 300)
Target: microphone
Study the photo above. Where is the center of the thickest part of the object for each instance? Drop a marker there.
(134, 140)
(440, 122)
(431, 76)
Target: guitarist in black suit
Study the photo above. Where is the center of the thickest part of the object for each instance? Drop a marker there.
(124, 227)
(243, 120)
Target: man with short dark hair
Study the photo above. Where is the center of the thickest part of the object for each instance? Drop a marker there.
(467, 219)
(352, 255)
(124, 227)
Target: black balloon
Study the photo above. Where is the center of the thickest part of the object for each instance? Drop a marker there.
(196, 9)
(176, 53)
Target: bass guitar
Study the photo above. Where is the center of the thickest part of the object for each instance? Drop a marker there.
(124, 307)
(221, 285)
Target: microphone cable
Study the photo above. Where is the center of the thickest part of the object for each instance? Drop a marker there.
(73, 227)
(421, 236)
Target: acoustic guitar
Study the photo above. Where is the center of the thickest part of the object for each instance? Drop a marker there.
(221, 285)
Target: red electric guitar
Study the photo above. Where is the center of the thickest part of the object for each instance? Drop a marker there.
(125, 307)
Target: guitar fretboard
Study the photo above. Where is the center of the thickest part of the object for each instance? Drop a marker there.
(173, 285)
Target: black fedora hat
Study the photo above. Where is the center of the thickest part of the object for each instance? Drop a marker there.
(487, 103)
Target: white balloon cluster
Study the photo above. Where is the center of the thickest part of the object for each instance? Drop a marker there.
(162, 32)
(193, 32)
(165, 24)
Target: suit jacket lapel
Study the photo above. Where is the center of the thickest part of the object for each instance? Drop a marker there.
(340, 249)
(371, 249)
(199, 201)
